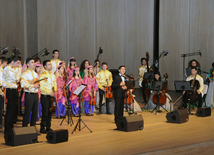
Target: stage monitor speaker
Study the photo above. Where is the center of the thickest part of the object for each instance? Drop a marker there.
(57, 136)
(178, 116)
(203, 112)
(21, 136)
(130, 123)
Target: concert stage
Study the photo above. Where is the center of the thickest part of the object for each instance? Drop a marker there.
(193, 137)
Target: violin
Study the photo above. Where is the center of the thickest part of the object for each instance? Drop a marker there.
(5, 98)
(108, 91)
(92, 101)
(19, 89)
(55, 99)
(36, 80)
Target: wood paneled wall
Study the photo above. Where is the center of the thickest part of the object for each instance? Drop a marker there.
(186, 26)
(124, 28)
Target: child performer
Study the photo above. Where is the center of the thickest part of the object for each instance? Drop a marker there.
(91, 88)
(77, 81)
(61, 99)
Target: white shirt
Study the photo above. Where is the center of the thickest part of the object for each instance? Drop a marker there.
(122, 77)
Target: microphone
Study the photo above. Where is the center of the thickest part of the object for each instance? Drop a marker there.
(165, 53)
(101, 50)
(46, 52)
(4, 50)
(200, 53)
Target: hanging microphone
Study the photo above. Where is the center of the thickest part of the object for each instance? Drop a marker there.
(46, 52)
(200, 53)
(4, 50)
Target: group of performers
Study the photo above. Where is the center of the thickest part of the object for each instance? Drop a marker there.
(40, 85)
(196, 75)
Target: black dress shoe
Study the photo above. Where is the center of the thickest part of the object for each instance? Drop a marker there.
(99, 113)
(108, 113)
(43, 131)
(49, 129)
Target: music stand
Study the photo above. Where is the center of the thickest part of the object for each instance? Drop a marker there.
(184, 86)
(158, 86)
(148, 75)
(70, 119)
(187, 72)
(78, 93)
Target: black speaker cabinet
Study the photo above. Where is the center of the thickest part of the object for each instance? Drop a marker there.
(130, 123)
(203, 112)
(178, 116)
(21, 136)
(57, 136)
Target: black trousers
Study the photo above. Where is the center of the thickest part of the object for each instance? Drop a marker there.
(1, 108)
(118, 110)
(11, 95)
(101, 92)
(143, 90)
(46, 111)
(200, 101)
(31, 104)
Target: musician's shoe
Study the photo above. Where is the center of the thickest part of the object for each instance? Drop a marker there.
(108, 113)
(99, 113)
(87, 114)
(1, 126)
(92, 114)
(43, 131)
(49, 129)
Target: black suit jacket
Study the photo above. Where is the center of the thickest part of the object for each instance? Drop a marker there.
(118, 91)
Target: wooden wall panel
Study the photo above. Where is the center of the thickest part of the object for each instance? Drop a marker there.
(138, 33)
(81, 29)
(110, 31)
(174, 37)
(12, 25)
(202, 31)
(52, 26)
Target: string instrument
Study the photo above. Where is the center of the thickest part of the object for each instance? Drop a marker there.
(161, 94)
(164, 81)
(5, 98)
(65, 92)
(130, 85)
(36, 80)
(108, 91)
(129, 97)
(82, 99)
(53, 108)
(19, 89)
(192, 96)
(92, 101)
(147, 89)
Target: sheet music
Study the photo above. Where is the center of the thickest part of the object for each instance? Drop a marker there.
(79, 89)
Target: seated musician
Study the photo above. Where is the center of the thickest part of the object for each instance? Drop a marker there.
(194, 72)
(195, 63)
(210, 92)
(150, 105)
(142, 70)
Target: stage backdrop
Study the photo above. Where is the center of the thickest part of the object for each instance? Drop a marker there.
(124, 28)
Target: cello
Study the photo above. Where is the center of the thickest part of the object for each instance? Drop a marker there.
(161, 94)
(192, 96)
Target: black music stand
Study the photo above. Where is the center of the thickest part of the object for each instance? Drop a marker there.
(184, 86)
(70, 119)
(78, 93)
(149, 75)
(158, 86)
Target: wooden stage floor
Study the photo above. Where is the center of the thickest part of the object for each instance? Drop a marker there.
(158, 137)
